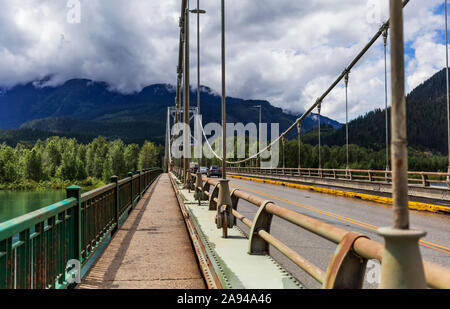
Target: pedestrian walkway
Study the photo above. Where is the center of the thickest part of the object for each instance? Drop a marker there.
(151, 250)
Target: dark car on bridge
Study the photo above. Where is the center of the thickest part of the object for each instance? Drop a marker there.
(214, 171)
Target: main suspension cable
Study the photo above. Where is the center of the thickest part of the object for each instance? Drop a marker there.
(319, 101)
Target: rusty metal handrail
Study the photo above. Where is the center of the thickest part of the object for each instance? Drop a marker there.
(436, 276)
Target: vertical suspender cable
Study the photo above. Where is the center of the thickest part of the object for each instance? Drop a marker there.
(329, 89)
(166, 143)
(447, 86)
(320, 154)
(346, 115)
(385, 35)
(198, 80)
(299, 128)
(259, 134)
(224, 110)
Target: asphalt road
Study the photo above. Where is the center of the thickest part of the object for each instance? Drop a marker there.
(350, 214)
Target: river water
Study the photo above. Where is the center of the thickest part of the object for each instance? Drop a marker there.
(16, 203)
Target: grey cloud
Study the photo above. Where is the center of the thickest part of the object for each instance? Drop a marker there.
(281, 50)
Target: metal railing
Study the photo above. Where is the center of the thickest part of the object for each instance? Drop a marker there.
(347, 266)
(35, 248)
(424, 179)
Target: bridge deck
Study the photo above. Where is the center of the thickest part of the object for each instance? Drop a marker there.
(152, 249)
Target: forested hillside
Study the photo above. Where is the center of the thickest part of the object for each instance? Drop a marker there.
(426, 121)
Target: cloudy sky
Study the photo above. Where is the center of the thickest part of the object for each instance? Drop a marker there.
(285, 51)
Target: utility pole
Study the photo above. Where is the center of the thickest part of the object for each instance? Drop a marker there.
(198, 182)
(180, 73)
(198, 12)
(186, 139)
(224, 217)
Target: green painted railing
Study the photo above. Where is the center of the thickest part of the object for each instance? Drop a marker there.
(36, 248)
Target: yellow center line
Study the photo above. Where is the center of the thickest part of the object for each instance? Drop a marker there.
(377, 199)
(342, 218)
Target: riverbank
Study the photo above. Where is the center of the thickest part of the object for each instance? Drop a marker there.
(56, 184)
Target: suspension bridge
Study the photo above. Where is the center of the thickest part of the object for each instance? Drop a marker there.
(252, 228)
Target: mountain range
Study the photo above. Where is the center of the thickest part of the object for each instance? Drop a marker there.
(84, 109)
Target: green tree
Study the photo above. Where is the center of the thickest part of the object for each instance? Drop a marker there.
(148, 156)
(131, 157)
(33, 165)
(107, 169)
(8, 165)
(117, 155)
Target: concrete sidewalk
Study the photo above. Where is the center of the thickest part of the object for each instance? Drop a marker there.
(151, 250)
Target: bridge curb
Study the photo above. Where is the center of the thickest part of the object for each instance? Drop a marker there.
(209, 274)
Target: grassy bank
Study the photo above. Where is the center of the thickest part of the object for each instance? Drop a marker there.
(88, 184)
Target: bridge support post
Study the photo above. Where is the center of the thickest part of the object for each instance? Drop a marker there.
(402, 266)
(192, 182)
(206, 187)
(213, 197)
(130, 174)
(115, 180)
(75, 192)
(187, 180)
(262, 221)
(140, 183)
(224, 217)
(425, 181)
(198, 184)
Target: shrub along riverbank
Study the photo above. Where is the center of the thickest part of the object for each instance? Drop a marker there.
(88, 184)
